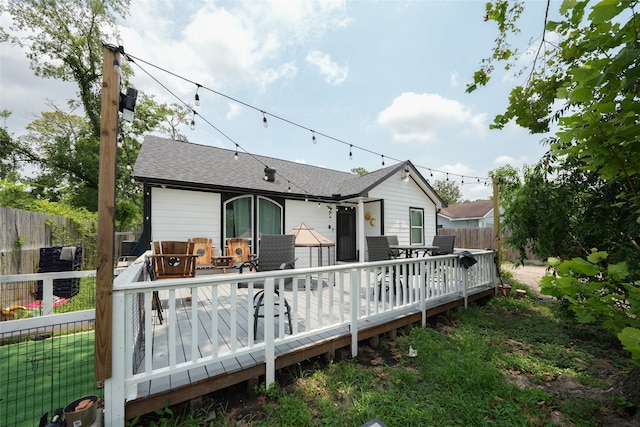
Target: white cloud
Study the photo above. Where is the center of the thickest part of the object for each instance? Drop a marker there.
(243, 42)
(332, 72)
(453, 79)
(234, 110)
(416, 117)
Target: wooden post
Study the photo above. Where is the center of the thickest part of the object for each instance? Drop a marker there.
(106, 212)
(496, 219)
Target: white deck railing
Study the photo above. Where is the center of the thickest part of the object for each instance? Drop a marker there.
(322, 299)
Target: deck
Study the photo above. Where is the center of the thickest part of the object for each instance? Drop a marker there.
(208, 343)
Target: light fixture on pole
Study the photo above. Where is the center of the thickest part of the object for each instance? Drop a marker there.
(128, 104)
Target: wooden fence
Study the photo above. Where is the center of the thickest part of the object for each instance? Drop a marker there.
(482, 238)
(23, 233)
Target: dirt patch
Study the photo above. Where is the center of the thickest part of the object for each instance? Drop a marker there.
(529, 275)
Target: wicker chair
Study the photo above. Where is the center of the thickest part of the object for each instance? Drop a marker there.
(276, 252)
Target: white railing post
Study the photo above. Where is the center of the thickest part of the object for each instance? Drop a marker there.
(114, 389)
(354, 309)
(269, 330)
(465, 280)
(422, 283)
(47, 296)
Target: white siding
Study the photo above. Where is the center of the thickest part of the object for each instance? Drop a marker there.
(398, 197)
(181, 214)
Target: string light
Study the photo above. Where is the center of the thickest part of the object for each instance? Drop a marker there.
(120, 143)
(193, 120)
(197, 97)
(136, 61)
(313, 137)
(235, 156)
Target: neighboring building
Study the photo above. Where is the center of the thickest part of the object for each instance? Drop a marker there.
(193, 190)
(466, 215)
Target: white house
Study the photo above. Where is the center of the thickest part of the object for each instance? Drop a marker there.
(193, 190)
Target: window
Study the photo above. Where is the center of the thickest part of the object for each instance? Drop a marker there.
(239, 218)
(269, 216)
(416, 218)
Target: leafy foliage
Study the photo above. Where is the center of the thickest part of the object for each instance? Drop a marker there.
(584, 193)
(64, 41)
(509, 183)
(448, 191)
(599, 292)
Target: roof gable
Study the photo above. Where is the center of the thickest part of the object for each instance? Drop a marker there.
(477, 209)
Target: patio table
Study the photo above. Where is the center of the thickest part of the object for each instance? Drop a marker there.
(409, 250)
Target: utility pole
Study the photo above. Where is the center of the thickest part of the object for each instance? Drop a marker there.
(106, 211)
(496, 219)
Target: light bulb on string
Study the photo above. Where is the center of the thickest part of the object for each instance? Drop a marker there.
(313, 137)
(350, 151)
(462, 180)
(197, 96)
(120, 143)
(193, 120)
(382, 156)
(447, 176)
(235, 156)
(265, 123)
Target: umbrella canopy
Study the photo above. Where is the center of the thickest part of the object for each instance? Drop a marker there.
(307, 236)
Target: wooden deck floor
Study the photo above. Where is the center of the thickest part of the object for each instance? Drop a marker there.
(196, 382)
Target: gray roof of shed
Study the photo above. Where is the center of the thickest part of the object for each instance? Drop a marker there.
(185, 164)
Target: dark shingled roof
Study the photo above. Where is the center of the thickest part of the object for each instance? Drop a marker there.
(189, 165)
(476, 209)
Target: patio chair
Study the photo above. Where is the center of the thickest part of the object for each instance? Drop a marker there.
(203, 248)
(173, 260)
(239, 250)
(378, 249)
(444, 244)
(276, 252)
(393, 240)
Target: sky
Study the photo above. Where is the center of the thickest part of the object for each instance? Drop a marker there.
(385, 80)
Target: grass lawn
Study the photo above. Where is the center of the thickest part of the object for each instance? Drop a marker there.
(40, 376)
(511, 362)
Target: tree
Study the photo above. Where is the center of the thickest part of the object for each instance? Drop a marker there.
(64, 41)
(584, 193)
(588, 84)
(508, 183)
(359, 171)
(448, 191)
